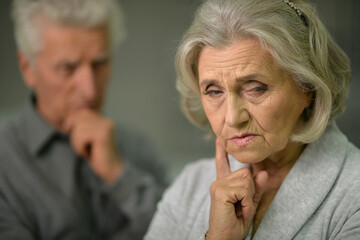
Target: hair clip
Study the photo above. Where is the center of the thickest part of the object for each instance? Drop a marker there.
(293, 6)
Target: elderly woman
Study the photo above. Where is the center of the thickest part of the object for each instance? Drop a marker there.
(268, 78)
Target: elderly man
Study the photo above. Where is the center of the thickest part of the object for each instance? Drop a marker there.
(65, 173)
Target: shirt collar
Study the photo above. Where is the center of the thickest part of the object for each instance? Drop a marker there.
(39, 132)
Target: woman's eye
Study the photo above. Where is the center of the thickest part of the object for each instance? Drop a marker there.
(254, 87)
(212, 92)
(259, 89)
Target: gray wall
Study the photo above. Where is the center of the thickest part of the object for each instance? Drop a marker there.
(142, 90)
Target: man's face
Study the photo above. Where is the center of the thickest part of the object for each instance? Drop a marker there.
(70, 71)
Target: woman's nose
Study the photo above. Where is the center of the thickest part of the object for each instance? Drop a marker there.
(236, 112)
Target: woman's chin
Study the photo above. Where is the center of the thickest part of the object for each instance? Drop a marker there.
(247, 157)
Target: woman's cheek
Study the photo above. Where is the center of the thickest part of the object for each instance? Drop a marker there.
(217, 123)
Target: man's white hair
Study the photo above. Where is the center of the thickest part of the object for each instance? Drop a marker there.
(82, 13)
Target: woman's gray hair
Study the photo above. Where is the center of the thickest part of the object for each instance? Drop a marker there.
(299, 44)
(82, 13)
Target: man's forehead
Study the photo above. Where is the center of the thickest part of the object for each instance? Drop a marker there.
(44, 21)
(75, 59)
(74, 43)
(49, 27)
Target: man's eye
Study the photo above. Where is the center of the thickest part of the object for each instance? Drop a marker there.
(100, 64)
(67, 68)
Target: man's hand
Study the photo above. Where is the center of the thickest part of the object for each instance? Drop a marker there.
(92, 137)
(234, 199)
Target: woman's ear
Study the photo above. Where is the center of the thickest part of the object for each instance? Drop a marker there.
(311, 99)
(309, 105)
(27, 70)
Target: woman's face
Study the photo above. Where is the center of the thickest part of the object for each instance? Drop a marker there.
(253, 105)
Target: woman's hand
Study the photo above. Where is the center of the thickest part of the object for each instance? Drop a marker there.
(234, 199)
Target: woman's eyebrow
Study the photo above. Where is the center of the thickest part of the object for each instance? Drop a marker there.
(252, 76)
(207, 82)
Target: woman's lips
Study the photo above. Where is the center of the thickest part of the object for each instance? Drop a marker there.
(243, 140)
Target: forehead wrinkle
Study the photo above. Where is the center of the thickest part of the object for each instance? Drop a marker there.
(240, 60)
(265, 69)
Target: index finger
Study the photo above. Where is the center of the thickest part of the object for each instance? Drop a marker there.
(68, 123)
(221, 160)
(82, 115)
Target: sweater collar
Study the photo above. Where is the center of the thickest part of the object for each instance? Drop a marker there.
(305, 187)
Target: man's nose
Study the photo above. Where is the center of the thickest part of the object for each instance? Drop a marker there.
(87, 83)
(236, 111)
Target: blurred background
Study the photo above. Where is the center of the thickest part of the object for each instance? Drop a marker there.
(142, 93)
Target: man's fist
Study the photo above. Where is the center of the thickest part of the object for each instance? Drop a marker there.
(92, 137)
